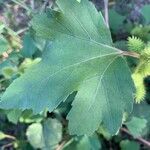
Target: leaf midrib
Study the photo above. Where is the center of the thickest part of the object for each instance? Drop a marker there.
(76, 64)
(79, 63)
(100, 79)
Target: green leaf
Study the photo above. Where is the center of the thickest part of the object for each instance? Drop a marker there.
(35, 135)
(115, 19)
(14, 115)
(136, 126)
(145, 12)
(2, 135)
(8, 72)
(102, 130)
(89, 143)
(127, 145)
(83, 143)
(3, 45)
(28, 117)
(142, 110)
(80, 58)
(29, 47)
(9, 63)
(45, 136)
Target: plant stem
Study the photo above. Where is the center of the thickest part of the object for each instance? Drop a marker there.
(140, 139)
(131, 54)
(44, 5)
(106, 13)
(22, 30)
(60, 147)
(6, 146)
(32, 4)
(10, 137)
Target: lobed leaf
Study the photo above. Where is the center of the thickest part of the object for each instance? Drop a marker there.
(79, 57)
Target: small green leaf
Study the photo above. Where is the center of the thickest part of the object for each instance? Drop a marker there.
(8, 72)
(28, 117)
(14, 115)
(83, 143)
(3, 45)
(142, 111)
(115, 19)
(35, 135)
(46, 135)
(2, 135)
(102, 130)
(129, 145)
(145, 12)
(136, 126)
(29, 47)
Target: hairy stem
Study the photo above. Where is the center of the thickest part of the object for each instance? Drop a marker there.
(131, 54)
